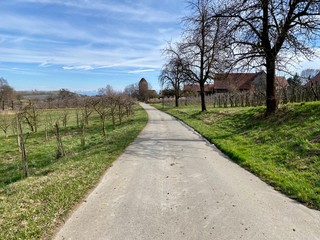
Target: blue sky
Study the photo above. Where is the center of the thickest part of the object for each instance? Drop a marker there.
(85, 44)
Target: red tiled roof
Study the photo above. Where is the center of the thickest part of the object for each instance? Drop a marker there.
(196, 87)
(281, 82)
(242, 81)
(235, 80)
(191, 87)
(315, 80)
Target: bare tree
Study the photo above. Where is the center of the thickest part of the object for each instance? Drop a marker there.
(266, 33)
(3, 82)
(172, 74)
(112, 103)
(60, 149)
(128, 103)
(49, 121)
(5, 123)
(84, 109)
(121, 104)
(203, 45)
(65, 117)
(307, 74)
(7, 93)
(132, 90)
(21, 142)
(99, 104)
(83, 130)
(106, 91)
(31, 115)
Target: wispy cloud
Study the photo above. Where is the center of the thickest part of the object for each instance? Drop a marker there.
(85, 39)
(84, 57)
(45, 64)
(141, 71)
(80, 67)
(136, 11)
(42, 39)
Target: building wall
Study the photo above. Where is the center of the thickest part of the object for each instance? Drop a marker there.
(143, 90)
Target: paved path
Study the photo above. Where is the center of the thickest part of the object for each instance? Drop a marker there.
(171, 184)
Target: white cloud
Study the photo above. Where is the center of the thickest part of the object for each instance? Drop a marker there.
(80, 67)
(129, 48)
(45, 64)
(135, 11)
(298, 63)
(89, 39)
(141, 71)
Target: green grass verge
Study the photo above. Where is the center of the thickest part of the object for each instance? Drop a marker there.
(32, 208)
(283, 149)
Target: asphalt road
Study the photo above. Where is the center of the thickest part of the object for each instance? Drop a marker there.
(172, 184)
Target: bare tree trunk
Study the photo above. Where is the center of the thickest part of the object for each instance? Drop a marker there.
(29, 122)
(83, 127)
(202, 95)
(314, 92)
(18, 135)
(65, 118)
(285, 95)
(120, 113)
(35, 119)
(128, 110)
(103, 126)
(87, 114)
(271, 100)
(22, 148)
(77, 117)
(113, 117)
(60, 150)
(177, 100)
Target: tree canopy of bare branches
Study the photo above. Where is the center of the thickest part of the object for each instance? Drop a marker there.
(203, 46)
(172, 74)
(7, 93)
(270, 33)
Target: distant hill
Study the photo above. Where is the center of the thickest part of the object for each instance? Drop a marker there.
(43, 95)
(87, 93)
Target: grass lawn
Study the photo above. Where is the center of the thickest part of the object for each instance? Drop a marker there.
(32, 208)
(283, 149)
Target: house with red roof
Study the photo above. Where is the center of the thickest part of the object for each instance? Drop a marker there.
(231, 82)
(281, 82)
(237, 82)
(195, 88)
(314, 82)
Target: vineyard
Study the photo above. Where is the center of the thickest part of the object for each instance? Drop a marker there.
(50, 158)
(296, 94)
